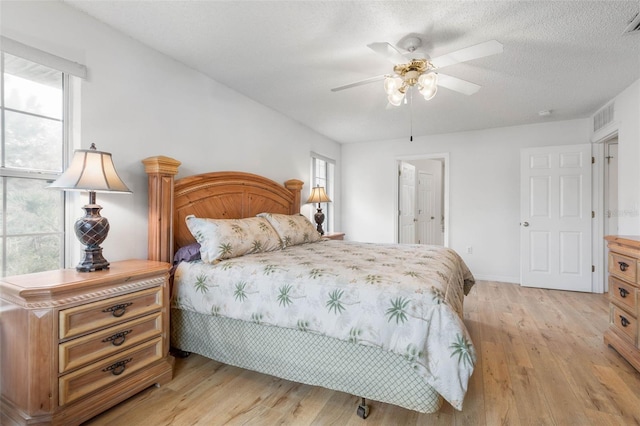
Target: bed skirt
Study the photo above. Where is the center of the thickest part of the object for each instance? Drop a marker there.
(303, 357)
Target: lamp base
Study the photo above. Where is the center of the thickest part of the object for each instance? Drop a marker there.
(319, 218)
(93, 260)
(92, 230)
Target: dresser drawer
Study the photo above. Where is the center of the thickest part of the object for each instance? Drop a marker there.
(622, 266)
(94, 316)
(623, 294)
(82, 382)
(87, 349)
(624, 323)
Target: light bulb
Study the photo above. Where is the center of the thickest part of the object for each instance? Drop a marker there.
(391, 84)
(393, 101)
(428, 93)
(396, 98)
(428, 85)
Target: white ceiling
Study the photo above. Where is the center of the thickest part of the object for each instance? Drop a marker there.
(570, 57)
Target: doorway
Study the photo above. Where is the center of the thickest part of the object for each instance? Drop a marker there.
(611, 187)
(610, 193)
(605, 197)
(423, 199)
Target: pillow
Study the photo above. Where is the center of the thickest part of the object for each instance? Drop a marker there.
(227, 238)
(292, 229)
(187, 253)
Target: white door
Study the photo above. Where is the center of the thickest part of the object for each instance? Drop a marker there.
(407, 203)
(428, 224)
(555, 208)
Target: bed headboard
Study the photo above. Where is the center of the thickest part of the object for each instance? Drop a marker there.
(218, 195)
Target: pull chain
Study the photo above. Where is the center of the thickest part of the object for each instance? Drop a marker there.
(411, 115)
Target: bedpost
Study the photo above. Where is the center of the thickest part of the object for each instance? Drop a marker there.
(295, 186)
(161, 171)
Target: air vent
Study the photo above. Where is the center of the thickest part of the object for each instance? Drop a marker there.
(634, 25)
(603, 117)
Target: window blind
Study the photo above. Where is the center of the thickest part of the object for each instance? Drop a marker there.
(36, 55)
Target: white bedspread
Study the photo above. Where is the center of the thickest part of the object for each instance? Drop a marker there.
(403, 298)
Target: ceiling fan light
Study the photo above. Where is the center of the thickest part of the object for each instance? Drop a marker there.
(396, 98)
(428, 92)
(428, 80)
(428, 85)
(392, 84)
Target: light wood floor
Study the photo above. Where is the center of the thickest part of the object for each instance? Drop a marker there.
(541, 361)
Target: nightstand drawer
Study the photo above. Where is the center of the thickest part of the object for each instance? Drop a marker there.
(622, 266)
(101, 374)
(623, 294)
(624, 323)
(87, 349)
(94, 316)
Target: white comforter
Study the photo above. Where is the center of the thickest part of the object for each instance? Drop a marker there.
(403, 298)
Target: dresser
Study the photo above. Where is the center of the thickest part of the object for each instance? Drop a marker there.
(73, 344)
(624, 292)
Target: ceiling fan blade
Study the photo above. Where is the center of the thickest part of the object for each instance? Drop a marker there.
(359, 83)
(457, 84)
(481, 50)
(389, 51)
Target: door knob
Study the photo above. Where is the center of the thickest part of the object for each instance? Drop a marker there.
(525, 224)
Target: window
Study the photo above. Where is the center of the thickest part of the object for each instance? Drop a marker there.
(34, 146)
(322, 174)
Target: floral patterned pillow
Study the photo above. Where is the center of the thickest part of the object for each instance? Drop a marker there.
(227, 238)
(293, 229)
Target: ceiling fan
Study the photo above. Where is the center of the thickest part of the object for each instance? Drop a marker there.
(414, 68)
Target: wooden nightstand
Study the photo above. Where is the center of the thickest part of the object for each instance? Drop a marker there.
(334, 236)
(74, 344)
(624, 292)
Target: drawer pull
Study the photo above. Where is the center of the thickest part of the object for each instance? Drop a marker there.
(117, 368)
(119, 338)
(623, 292)
(118, 310)
(625, 322)
(623, 266)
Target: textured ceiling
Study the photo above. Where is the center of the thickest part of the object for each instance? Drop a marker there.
(570, 57)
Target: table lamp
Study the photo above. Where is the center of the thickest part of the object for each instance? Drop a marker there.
(318, 195)
(91, 170)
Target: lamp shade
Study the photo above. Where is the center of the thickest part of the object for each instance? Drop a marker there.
(428, 84)
(91, 170)
(318, 195)
(396, 98)
(392, 84)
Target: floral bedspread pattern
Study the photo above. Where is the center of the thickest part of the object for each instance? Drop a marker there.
(403, 298)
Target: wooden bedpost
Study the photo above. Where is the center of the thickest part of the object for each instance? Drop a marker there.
(161, 171)
(295, 186)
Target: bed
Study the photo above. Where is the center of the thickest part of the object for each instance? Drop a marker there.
(378, 321)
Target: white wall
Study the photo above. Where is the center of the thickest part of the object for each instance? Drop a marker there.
(484, 189)
(137, 103)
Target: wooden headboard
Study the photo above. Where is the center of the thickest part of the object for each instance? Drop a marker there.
(218, 195)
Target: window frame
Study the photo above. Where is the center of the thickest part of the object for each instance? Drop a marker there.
(71, 73)
(329, 185)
